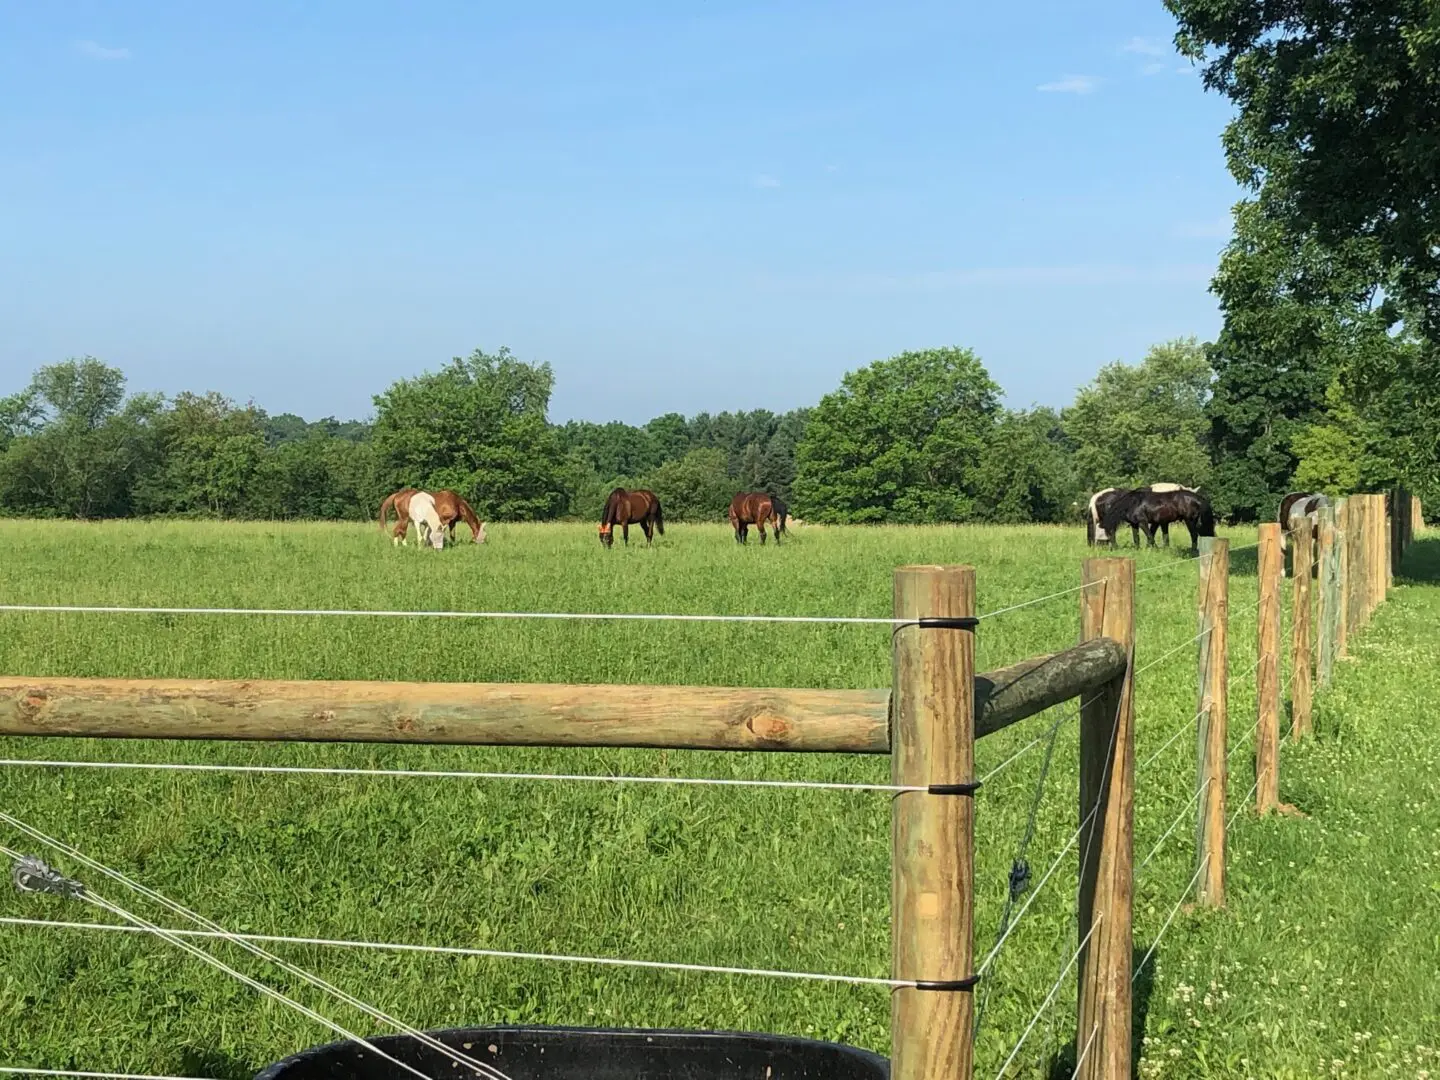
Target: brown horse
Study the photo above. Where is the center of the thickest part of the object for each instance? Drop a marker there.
(756, 508)
(626, 507)
(449, 505)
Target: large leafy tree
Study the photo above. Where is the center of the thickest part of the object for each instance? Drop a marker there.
(1138, 424)
(1331, 289)
(74, 443)
(478, 426)
(900, 440)
(1293, 314)
(696, 487)
(1337, 124)
(210, 450)
(1028, 471)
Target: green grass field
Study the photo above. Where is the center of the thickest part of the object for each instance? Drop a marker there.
(1326, 962)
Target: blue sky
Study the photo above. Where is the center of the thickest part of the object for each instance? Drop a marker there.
(681, 206)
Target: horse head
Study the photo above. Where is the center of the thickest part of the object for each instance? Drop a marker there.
(607, 537)
(479, 537)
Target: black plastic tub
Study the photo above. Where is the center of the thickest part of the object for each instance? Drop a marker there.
(555, 1053)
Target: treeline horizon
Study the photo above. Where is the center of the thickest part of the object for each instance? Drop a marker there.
(920, 437)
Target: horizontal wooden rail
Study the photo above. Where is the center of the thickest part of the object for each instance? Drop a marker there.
(523, 714)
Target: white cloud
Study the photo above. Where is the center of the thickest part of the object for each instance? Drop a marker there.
(1071, 84)
(765, 180)
(1145, 47)
(96, 51)
(832, 168)
(1155, 67)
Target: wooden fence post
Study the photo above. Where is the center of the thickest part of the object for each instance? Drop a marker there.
(1417, 515)
(1267, 677)
(1342, 591)
(1107, 803)
(1328, 623)
(1214, 711)
(932, 835)
(1301, 631)
(1379, 554)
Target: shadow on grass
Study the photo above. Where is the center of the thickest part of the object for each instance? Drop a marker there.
(1421, 565)
(195, 1061)
(1061, 1065)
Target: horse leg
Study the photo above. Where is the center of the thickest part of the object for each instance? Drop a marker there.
(625, 533)
(776, 522)
(761, 526)
(1135, 534)
(1150, 536)
(1165, 531)
(648, 529)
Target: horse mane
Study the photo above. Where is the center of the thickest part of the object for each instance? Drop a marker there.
(468, 515)
(1119, 506)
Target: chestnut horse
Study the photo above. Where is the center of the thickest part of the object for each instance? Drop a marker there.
(756, 508)
(626, 507)
(450, 506)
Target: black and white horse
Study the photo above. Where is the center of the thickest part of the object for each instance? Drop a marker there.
(1158, 507)
(1095, 531)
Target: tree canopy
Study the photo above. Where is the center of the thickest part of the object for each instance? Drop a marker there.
(900, 441)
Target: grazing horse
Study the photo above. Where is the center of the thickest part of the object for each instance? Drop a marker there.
(756, 508)
(428, 527)
(1294, 508)
(625, 508)
(449, 505)
(1094, 534)
(1144, 508)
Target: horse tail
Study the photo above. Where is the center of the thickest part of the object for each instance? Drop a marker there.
(659, 517)
(781, 513)
(385, 508)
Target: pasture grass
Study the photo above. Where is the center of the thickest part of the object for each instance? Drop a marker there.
(1324, 963)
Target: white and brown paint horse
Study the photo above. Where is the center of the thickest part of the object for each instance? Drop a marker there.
(448, 504)
(429, 529)
(1295, 508)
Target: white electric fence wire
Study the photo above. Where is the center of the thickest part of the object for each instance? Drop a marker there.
(1174, 825)
(1171, 917)
(282, 770)
(581, 616)
(1024, 749)
(1244, 739)
(1039, 886)
(92, 898)
(1014, 1052)
(1243, 804)
(1166, 656)
(1094, 1030)
(482, 1068)
(489, 954)
(1168, 742)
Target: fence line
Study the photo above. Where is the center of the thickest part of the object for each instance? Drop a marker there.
(930, 723)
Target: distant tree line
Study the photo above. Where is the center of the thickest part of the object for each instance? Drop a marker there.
(917, 438)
